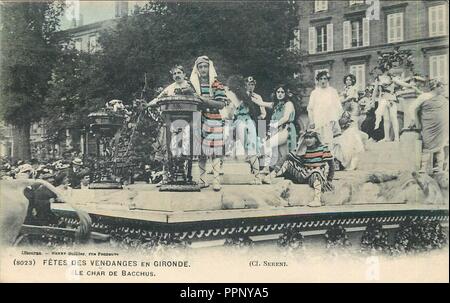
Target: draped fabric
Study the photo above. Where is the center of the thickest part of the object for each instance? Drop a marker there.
(212, 122)
(301, 169)
(195, 76)
(246, 133)
(324, 106)
(433, 115)
(278, 113)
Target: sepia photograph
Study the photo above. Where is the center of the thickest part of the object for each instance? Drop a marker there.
(221, 141)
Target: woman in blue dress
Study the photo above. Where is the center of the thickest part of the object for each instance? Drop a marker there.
(283, 134)
(244, 121)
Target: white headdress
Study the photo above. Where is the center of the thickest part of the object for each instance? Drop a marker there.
(195, 75)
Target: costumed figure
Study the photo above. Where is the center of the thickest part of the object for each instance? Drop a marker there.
(349, 96)
(181, 86)
(368, 106)
(283, 134)
(350, 143)
(386, 87)
(245, 116)
(431, 115)
(251, 85)
(312, 163)
(325, 109)
(212, 93)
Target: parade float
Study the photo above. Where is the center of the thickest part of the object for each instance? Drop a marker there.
(386, 203)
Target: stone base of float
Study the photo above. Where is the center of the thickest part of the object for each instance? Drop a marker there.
(351, 188)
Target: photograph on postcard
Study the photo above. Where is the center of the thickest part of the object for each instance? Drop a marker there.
(224, 141)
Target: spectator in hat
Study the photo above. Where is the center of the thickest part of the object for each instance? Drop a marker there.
(25, 171)
(76, 173)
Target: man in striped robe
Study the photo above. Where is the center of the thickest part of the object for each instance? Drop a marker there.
(211, 91)
(312, 163)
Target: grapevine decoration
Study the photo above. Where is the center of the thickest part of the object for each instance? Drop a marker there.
(336, 236)
(396, 58)
(375, 238)
(142, 240)
(416, 235)
(239, 240)
(291, 238)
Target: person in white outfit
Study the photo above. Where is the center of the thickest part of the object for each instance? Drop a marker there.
(325, 109)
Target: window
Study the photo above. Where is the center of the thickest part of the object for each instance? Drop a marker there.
(437, 20)
(438, 68)
(121, 8)
(294, 44)
(79, 44)
(356, 33)
(92, 43)
(321, 39)
(320, 5)
(354, 2)
(360, 73)
(395, 27)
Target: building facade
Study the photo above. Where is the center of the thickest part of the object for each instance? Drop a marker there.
(344, 36)
(85, 20)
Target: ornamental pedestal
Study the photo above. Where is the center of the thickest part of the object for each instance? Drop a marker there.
(182, 122)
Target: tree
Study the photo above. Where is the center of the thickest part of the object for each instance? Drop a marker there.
(76, 89)
(29, 48)
(245, 37)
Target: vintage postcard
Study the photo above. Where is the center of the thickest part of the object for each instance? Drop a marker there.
(224, 141)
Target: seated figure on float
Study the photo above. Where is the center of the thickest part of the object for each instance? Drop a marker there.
(312, 163)
(181, 86)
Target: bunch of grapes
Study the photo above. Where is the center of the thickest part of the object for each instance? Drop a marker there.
(291, 238)
(336, 236)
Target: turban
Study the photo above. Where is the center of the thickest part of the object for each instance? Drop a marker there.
(195, 75)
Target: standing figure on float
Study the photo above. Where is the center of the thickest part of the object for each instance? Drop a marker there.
(350, 143)
(386, 86)
(180, 86)
(325, 110)
(251, 85)
(430, 112)
(211, 91)
(244, 121)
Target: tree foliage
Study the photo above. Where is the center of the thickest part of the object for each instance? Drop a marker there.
(29, 47)
(245, 37)
(76, 89)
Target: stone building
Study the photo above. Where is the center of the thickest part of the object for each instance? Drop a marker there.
(345, 36)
